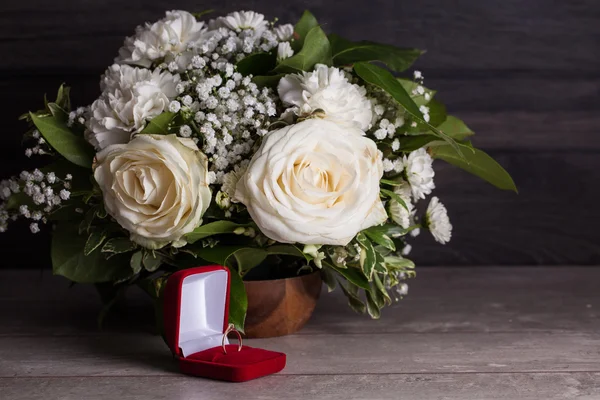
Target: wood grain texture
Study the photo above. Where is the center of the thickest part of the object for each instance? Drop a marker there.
(463, 333)
(537, 386)
(468, 34)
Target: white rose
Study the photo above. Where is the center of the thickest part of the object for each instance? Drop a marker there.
(168, 40)
(131, 96)
(155, 186)
(314, 182)
(326, 89)
(419, 172)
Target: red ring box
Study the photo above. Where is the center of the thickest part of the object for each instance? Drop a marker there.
(196, 312)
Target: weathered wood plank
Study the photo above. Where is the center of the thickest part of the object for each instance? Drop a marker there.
(136, 355)
(469, 35)
(344, 387)
(492, 300)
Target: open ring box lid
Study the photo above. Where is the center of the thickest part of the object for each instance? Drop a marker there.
(196, 312)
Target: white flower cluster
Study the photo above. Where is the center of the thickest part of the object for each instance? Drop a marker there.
(225, 111)
(40, 148)
(46, 190)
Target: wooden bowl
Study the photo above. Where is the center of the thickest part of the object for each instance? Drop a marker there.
(281, 306)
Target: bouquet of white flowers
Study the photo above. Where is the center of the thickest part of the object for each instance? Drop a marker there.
(270, 149)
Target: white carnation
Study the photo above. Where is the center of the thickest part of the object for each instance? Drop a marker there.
(284, 32)
(131, 96)
(419, 172)
(284, 50)
(436, 219)
(168, 40)
(326, 89)
(400, 215)
(240, 20)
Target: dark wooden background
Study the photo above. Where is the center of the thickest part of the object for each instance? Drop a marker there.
(523, 74)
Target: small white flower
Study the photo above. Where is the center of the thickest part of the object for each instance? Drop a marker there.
(174, 106)
(284, 50)
(437, 221)
(34, 227)
(419, 172)
(402, 289)
(406, 250)
(185, 131)
(51, 177)
(400, 215)
(28, 152)
(326, 89)
(284, 32)
(64, 194)
(68, 177)
(395, 145)
(418, 75)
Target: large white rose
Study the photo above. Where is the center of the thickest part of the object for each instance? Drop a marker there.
(168, 40)
(315, 182)
(155, 186)
(327, 89)
(131, 96)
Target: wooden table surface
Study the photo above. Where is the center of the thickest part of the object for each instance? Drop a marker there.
(462, 333)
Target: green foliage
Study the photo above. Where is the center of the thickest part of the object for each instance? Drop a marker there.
(353, 275)
(380, 238)
(160, 125)
(385, 80)
(270, 81)
(238, 301)
(257, 64)
(368, 264)
(345, 52)
(455, 128)
(410, 86)
(477, 163)
(301, 29)
(118, 245)
(213, 228)
(316, 50)
(69, 260)
(353, 300)
(151, 261)
(94, 241)
(392, 195)
(57, 134)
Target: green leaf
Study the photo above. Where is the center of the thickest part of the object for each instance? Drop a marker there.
(217, 255)
(399, 263)
(369, 263)
(353, 301)
(381, 290)
(118, 245)
(151, 261)
(213, 228)
(351, 274)
(304, 25)
(414, 142)
(73, 148)
(455, 128)
(477, 163)
(345, 52)
(69, 260)
(410, 86)
(248, 258)
(201, 14)
(392, 230)
(380, 238)
(437, 113)
(86, 223)
(385, 80)
(256, 64)
(287, 250)
(316, 50)
(396, 197)
(329, 278)
(372, 308)
(94, 241)
(135, 262)
(238, 301)
(159, 125)
(268, 80)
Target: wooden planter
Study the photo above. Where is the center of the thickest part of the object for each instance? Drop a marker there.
(282, 306)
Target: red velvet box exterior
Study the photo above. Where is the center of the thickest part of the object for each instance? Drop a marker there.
(247, 364)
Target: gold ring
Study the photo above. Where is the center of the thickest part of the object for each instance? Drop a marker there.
(231, 328)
